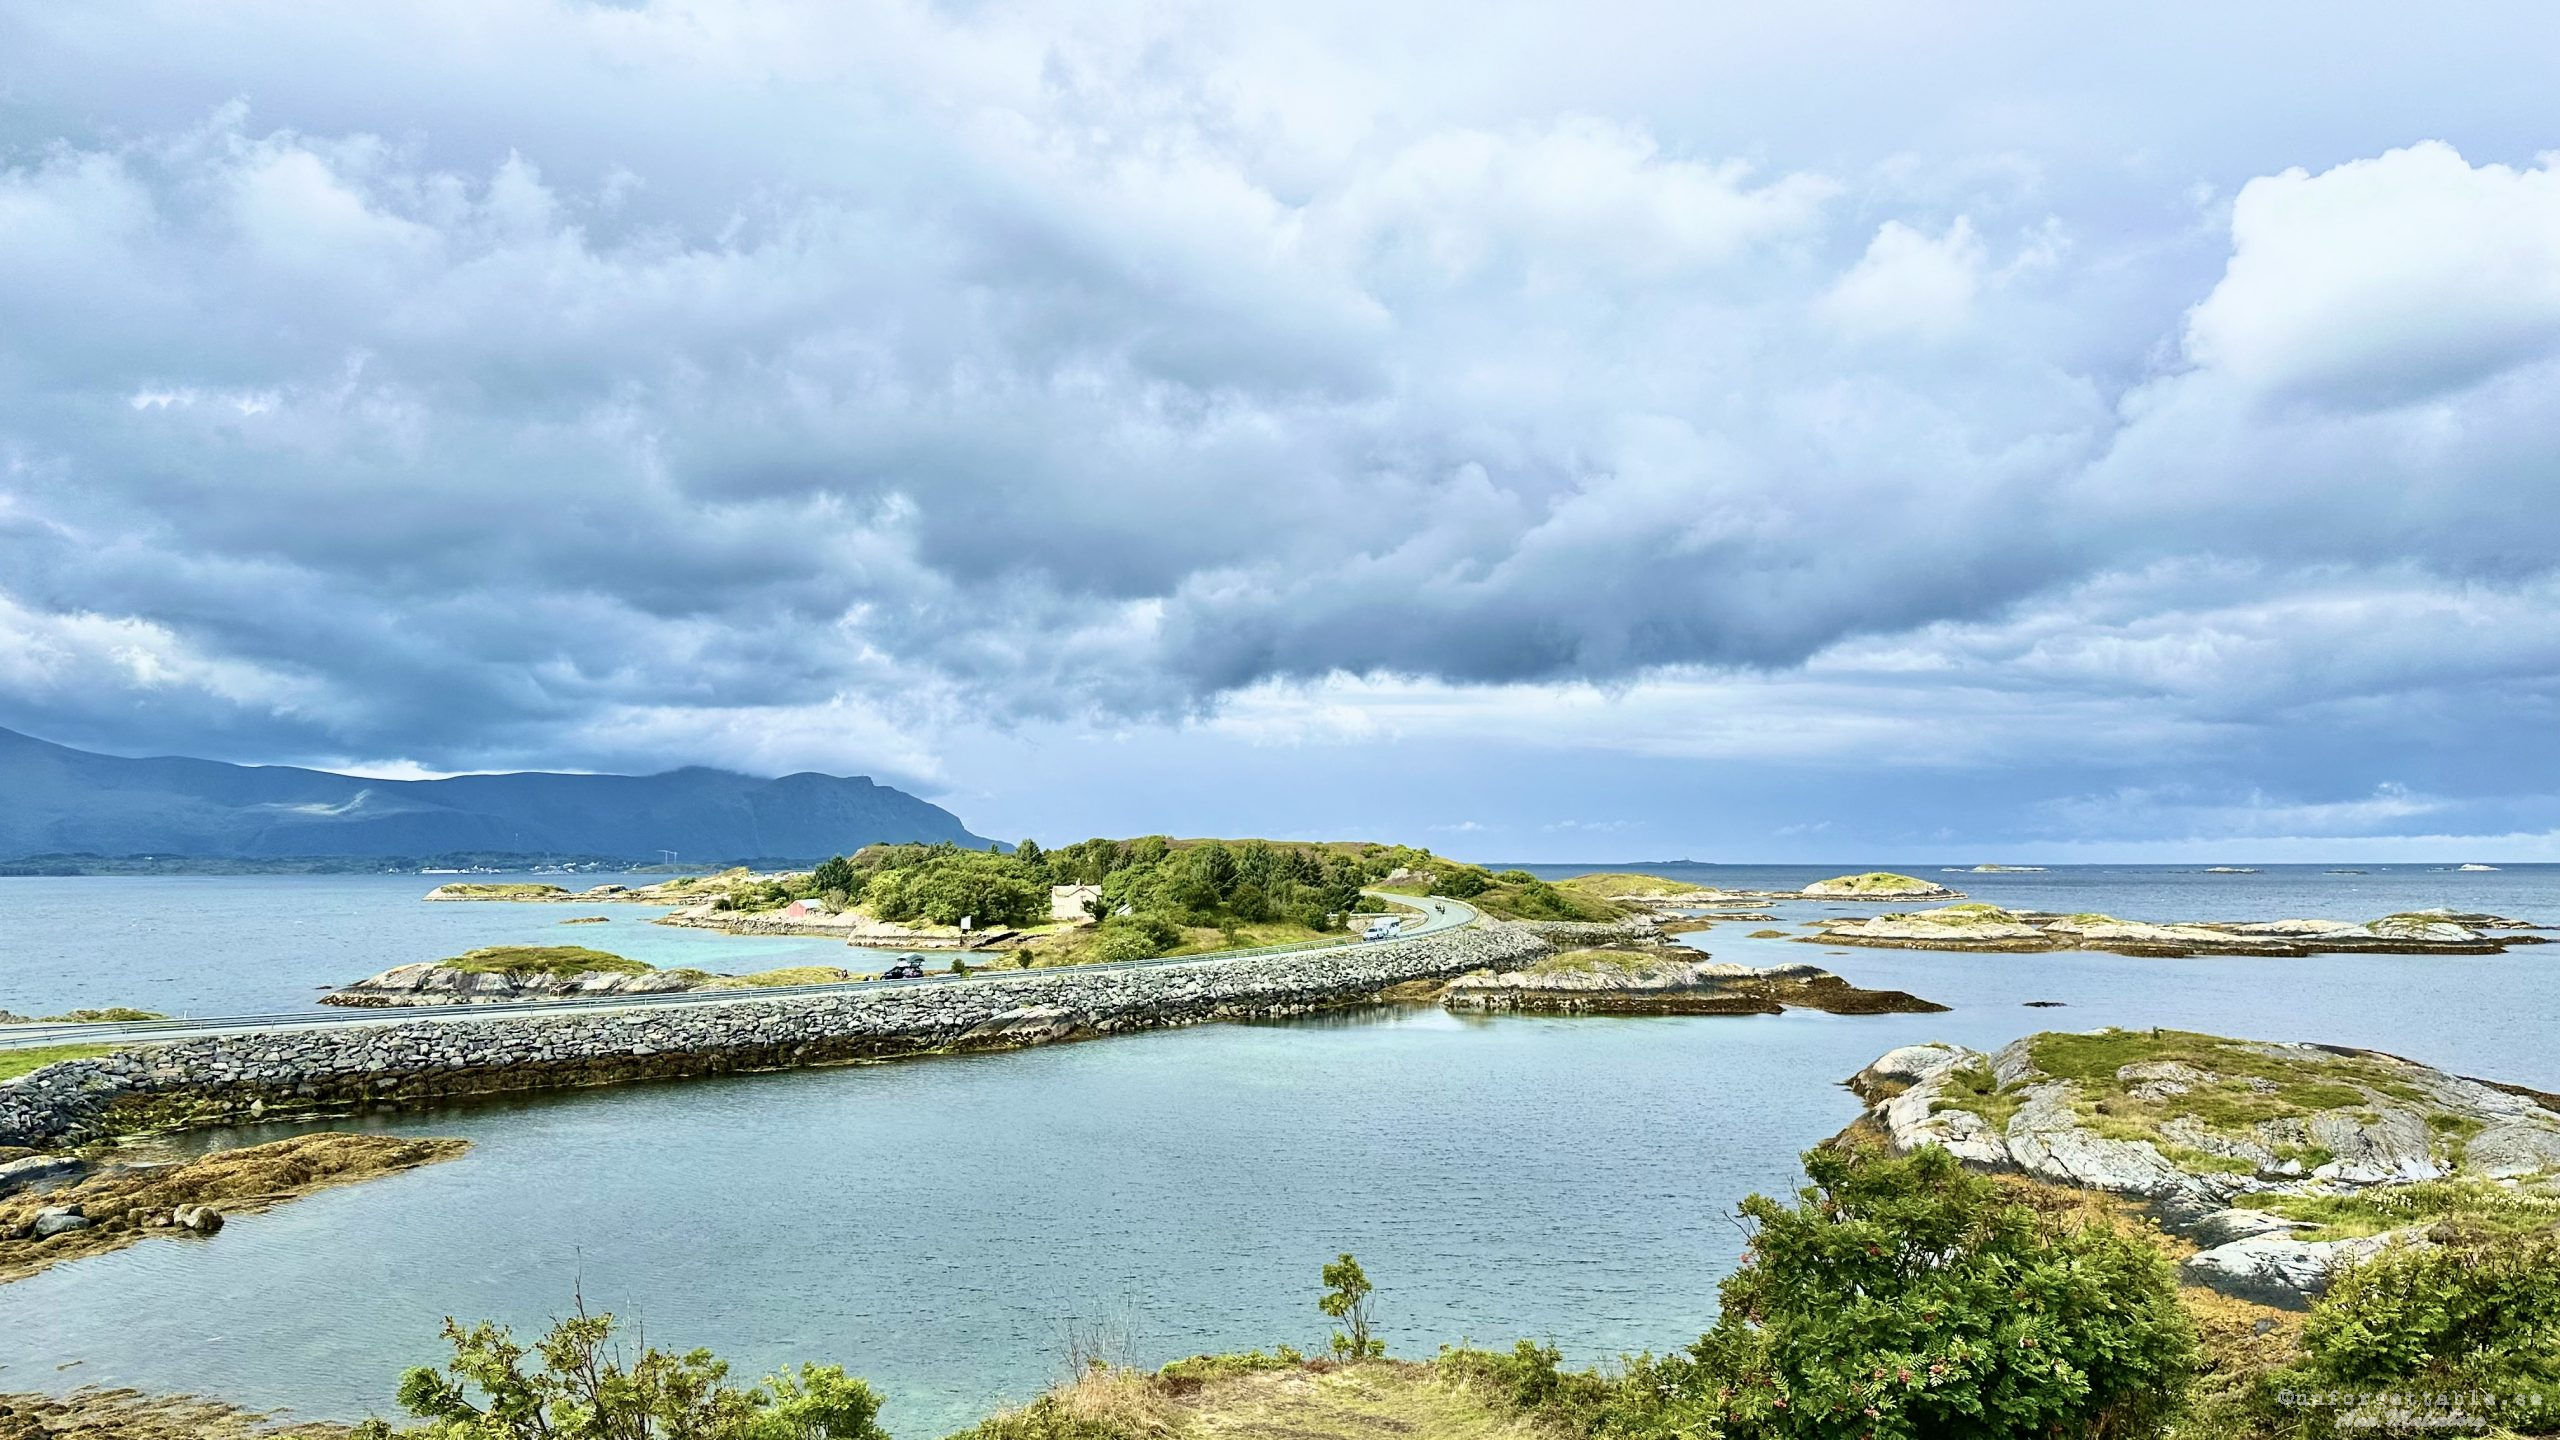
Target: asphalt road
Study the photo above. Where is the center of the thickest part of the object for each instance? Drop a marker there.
(1438, 914)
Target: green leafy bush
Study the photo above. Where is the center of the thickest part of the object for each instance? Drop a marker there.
(2484, 1313)
(1908, 1297)
(576, 1384)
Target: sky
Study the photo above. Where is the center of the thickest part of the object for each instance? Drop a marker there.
(1964, 432)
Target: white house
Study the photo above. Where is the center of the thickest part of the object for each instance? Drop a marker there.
(1067, 902)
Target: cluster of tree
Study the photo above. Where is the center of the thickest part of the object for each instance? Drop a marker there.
(1153, 887)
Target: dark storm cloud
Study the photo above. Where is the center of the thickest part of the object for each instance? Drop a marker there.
(761, 385)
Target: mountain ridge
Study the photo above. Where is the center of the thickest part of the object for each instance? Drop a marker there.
(55, 799)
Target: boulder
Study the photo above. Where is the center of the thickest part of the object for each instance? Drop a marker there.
(2275, 1269)
(202, 1219)
(58, 1220)
(16, 1175)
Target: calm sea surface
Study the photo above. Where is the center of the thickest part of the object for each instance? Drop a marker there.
(937, 1225)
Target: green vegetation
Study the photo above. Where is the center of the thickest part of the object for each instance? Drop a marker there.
(2252, 1084)
(1976, 1089)
(1597, 961)
(1971, 912)
(1346, 1299)
(1874, 882)
(1897, 1297)
(113, 1014)
(2464, 1208)
(1509, 895)
(1619, 884)
(561, 961)
(787, 975)
(2464, 1315)
(518, 890)
(14, 1063)
(573, 1384)
(1159, 896)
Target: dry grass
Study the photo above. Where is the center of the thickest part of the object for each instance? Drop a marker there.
(1316, 1401)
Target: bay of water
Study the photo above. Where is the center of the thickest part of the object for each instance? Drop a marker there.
(936, 1225)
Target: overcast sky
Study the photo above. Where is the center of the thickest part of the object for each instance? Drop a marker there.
(1821, 431)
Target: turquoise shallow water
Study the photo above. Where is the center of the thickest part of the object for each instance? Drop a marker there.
(936, 1225)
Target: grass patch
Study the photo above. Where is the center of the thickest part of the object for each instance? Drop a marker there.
(1876, 882)
(556, 960)
(1214, 1398)
(2251, 1086)
(112, 1015)
(1618, 884)
(14, 1063)
(787, 975)
(2482, 1210)
(1595, 962)
(1976, 1089)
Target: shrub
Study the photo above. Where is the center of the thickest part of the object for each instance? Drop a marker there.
(1904, 1298)
(2440, 1315)
(1135, 937)
(1346, 1298)
(579, 1385)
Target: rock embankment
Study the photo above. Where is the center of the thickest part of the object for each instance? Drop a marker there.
(1665, 984)
(481, 1050)
(89, 1211)
(1979, 927)
(2281, 1162)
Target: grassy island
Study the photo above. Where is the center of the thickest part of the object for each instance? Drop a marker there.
(555, 960)
(497, 890)
(1874, 883)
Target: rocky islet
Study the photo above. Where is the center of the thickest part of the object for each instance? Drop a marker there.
(2236, 1146)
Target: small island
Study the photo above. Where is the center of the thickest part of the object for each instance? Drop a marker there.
(2274, 1164)
(1975, 926)
(1668, 981)
(1878, 885)
(505, 973)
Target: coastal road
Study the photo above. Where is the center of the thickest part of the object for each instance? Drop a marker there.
(1438, 913)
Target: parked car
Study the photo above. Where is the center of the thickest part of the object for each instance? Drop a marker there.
(908, 967)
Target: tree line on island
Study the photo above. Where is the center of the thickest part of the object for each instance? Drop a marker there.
(1154, 894)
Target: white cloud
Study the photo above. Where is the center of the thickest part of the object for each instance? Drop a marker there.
(1909, 283)
(2385, 280)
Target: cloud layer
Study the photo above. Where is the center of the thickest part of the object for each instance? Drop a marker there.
(566, 384)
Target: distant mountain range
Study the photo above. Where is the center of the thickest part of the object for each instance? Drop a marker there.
(55, 800)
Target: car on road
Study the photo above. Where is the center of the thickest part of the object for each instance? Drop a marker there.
(908, 967)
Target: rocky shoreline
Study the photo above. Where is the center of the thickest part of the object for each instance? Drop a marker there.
(1662, 983)
(76, 1208)
(2280, 1163)
(1990, 928)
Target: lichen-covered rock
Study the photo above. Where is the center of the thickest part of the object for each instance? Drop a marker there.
(437, 983)
(1988, 927)
(2220, 1137)
(2276, 1269)
(1670, 983)
(1953, 927)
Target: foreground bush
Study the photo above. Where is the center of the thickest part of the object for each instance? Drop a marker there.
(1897, 1299)
(2425, 1337)
(575, 1384)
